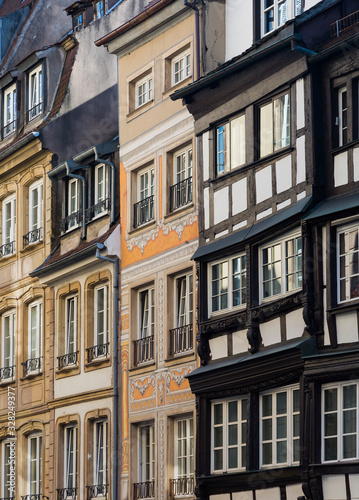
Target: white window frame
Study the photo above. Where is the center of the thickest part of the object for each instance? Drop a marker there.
(269, 143)
(184, 300)
(10, 111)
(183, 165)
(35, 84)
(105, 312)
(70, 448)
(98, 196)
(340, 434)
(184, 448)
(36, 222)
(100, 452)
(146, 453)
(8, 359)
(342, 111)
(227, 136)
(283, 268)
(230, 289)
(294, 9)
(289, 438)
(224, 446)
(71, 302)
(145, 190)
(143, 91)
(37, 458)
(149, 185)
(184, 59)
(348, 257)
(9, 236)
(37, 331)
(72, 209)
(146, 309)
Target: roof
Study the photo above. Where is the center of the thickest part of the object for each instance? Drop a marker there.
(151, 8)
(10, 6)
(249, 232)
(334, 205)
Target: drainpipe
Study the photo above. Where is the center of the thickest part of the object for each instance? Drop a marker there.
(112, 166)
(192, 6)
(101, 246)
(75, 176)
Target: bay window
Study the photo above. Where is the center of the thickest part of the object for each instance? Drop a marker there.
(348, 263)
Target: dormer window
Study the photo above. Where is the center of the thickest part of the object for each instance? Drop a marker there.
(99, 9)
(9, 107)
(275, 13)
(78, 22)
(35, 92)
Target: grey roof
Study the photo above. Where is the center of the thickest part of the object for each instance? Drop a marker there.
(334, 205)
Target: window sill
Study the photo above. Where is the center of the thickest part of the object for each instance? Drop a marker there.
(145, 226)
(97, 363)
(138, 111)
(179, 211)
(67, 371)
(32, 375)
(7, 381)
(180, 355)
(224, 312)
(341, 149)
(145, 366)
(350, 305)
(32, 246)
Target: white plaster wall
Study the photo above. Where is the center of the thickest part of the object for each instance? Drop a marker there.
(284, 204)
(220, 497)
(283, 169)
(301, 195)
(243, 223)
(263, 214)
(268, 494)
(300, 103)
(263, 184)
(294, 324)
(240, 342)
(222, 233)
(84, 382)
(300, 159)
(347, 327)
(356, 163)
(242, 495)
(334, 487)
(294, 491)
(221, 205)
(310, 3)
(218, 347)
(270, 332)
(205, 146)
(239, 32)
(206, 207)
(354, 485)
(239, 196)
(341, 169)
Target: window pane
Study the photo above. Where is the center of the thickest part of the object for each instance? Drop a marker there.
(281, 427)
(218, 460)
(233, 411)
(238, 142)
(218, 437)
(266, 130)
(282, 402)
(330, 449)
(281, 122)
(330, 399)
(267, 429)
(267, 453)
(218, 414)
(282, 452)
(330, 424)
(349, 396)
(233, 458)
(267, 405)
(232, 435)
(349, 447)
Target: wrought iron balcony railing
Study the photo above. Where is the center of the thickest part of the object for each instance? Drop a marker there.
(98, 209)
(7, 249)
(32, 237)
(144, 490)
(67, 359)
(344, 23)
(34, 496)
(181, 339)
(97, 351)
(8, 372)
(31, 365)
(181, 194)
(182, 486)
(97, 490)
(34, 111)
(9, 128)
(71, 221)
(64, 493)
(143, 350)
(143, 211)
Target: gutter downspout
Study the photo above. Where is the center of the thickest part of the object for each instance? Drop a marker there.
(75, 176)
(101, 246)
(192, 6)
(112, 166)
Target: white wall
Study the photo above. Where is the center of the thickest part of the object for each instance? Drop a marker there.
(239, 27)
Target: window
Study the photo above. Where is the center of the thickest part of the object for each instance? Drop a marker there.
(100, 455)
(35, 214)
(181, 337)
(181, 191)
(145, 488)
(78, 22)
(229, 431)
(70, 462)
(9, 107)
(231, 145)
(99, 9)
(144, 346)
(275, 13)
(7, 490)
(279, 427)
(101, 190)
(274, 125)
(34, 339)
(348, 264)
(342, 116)
(228, 284)
(101, 324)
(184, 458)
(35, 465)
(9, 226)
(143, 91)
(7, 370)
(74, 216)
(144, 208)
(281, 259)
(35, 92)
(71, 336)
(340, 422)
(181, 67)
